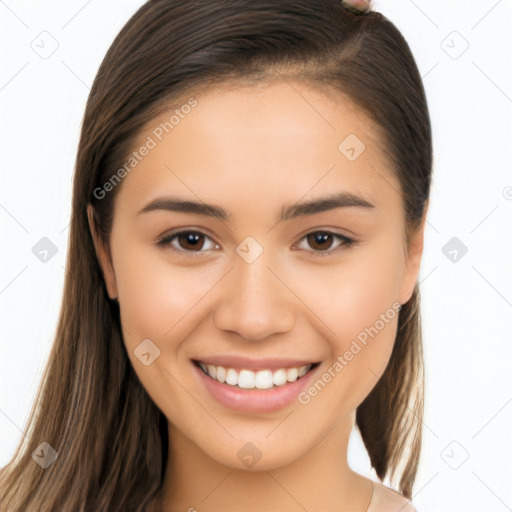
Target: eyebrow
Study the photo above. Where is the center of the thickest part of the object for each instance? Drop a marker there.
(182, 205)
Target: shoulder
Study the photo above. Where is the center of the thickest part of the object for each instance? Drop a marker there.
(385, 499)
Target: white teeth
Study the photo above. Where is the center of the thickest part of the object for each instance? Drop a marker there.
(231, 377)
(279, 377)
(261, 379)
(302, 371)
(292, 374)
(212, 371)
(221, 374)
(246, 379)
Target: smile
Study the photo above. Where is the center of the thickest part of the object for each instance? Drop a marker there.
(249, 379)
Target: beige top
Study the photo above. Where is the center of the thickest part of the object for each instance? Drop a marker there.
(385, 499)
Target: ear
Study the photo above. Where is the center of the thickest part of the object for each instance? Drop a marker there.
(103, 255)
(413, 260)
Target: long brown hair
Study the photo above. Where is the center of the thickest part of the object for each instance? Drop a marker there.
(90, 407)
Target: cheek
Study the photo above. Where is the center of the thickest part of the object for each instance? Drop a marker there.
(359, 302)
(353, 294)
(160, 302)
(157, 299)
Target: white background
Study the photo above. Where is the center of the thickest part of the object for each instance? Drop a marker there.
(467, 304)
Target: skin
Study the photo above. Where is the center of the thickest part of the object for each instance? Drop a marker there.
(252, 150)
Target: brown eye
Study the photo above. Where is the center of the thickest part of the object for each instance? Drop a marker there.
(190, 240)
(186, 242)
(321, 242)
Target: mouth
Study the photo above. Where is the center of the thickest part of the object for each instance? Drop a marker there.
(262, 378)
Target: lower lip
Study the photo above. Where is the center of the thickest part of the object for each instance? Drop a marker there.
(254, 400)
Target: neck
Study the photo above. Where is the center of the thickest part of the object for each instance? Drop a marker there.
(319, 480)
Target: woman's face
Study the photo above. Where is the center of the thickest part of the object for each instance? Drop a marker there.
(268, 285)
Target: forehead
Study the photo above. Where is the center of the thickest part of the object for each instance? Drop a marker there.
(278, 141)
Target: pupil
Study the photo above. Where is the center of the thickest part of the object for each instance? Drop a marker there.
(320, 238)
(192, 239)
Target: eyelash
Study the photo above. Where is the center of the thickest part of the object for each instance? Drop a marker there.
(166, 240)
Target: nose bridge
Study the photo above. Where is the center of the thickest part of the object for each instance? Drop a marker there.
(255, 304)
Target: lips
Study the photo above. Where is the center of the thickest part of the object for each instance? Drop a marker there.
(251, 386)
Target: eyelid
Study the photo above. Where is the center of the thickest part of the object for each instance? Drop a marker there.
(165, 241)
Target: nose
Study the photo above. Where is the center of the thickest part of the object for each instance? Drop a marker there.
(255, 302)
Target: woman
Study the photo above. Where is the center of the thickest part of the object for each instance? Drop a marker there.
(249, 201)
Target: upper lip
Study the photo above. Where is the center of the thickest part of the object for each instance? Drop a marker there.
(270, 363)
